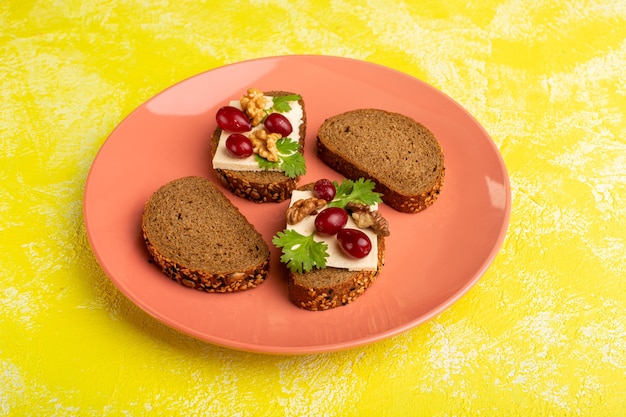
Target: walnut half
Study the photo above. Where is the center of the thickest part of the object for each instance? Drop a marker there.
(264, 144)
(364, 217)
(302, 208)
(253, 104)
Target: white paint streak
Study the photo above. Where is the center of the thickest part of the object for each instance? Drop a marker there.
(450, 354)
(309, 386)
(19, 306)
(12, 386)
(609, 336)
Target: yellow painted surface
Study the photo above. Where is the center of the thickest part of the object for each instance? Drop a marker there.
(544, 331)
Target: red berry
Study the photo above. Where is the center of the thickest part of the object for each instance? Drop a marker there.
(331, 220)
(239, 145)
(324, 189)
(232, 119)
(277, 123)
(354, 242)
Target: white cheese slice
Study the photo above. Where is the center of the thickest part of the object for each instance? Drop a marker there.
(337, 258)
(223, 159)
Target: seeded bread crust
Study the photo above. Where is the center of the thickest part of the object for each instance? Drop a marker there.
(326, 288)
(197, 237)
(259, 186)
(400, 155)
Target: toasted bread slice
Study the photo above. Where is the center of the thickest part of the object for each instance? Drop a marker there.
(326, 288)
(201, 240)
(400, 155)
(260, 186)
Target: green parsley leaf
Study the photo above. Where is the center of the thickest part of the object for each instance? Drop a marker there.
(265, 164)
(286, 146)
(290, 160)
(294, 165)
(360, 191)
(281, 103)
(300, 253)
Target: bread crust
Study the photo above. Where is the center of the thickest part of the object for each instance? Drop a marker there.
(406, 203)
(260, 186)
(205, 281)
(154, 218)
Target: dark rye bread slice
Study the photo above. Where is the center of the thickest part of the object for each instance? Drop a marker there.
(326, 288)
(201, 240)
(259, 186)
(400, 155)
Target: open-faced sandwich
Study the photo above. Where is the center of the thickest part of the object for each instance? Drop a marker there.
(201, 240)
(334, 242)
(257, 148)
(400, 155)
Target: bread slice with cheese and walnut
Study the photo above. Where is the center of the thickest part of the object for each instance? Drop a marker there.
(323, 277)
(198, 238)
(400, 155)
(262, 183)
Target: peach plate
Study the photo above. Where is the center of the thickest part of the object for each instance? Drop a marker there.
(432, 258)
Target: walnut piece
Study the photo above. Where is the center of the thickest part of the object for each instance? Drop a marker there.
(302, 208)
(264, 144)
(253, 104)
(364, 217)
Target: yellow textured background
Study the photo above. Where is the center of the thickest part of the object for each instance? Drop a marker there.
(544, 331)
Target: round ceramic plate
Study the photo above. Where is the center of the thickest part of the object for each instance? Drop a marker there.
(432, 257)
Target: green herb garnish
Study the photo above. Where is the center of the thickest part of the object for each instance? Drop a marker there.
(290, 160)
(359, 191)
(300, 253)
(281, 103)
